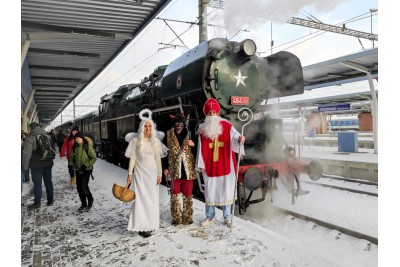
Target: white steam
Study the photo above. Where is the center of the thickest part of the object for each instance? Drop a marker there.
(251, 13)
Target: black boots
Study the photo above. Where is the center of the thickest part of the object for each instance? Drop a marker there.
(90, 202)
(88, 206)
(84, 205)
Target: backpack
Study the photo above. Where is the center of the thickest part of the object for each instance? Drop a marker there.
(45, 147)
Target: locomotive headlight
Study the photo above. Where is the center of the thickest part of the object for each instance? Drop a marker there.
(245, 49)
(248, 47)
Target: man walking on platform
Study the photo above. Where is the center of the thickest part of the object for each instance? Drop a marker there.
(39, 168)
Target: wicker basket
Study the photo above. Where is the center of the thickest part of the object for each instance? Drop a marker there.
(123, 193)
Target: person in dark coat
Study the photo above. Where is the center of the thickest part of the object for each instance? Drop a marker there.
(60, 140)
(40, 169)
(26, 173)
(23, 173)
(53, 136)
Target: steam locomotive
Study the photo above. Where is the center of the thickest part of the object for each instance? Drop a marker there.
(236, 77)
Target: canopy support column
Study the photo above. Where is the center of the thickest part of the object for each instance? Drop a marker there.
(25, 118)
(24, 51)
(374, 99)
(34, 112)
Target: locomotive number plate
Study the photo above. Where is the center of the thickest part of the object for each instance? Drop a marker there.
(239, 100)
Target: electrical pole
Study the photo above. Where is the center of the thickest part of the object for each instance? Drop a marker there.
(272, 41)
(203, 20)
(372, 11)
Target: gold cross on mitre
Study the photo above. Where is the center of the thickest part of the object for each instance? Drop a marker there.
(215, 144)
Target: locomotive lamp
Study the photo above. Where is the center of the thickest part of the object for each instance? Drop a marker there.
(245, 48)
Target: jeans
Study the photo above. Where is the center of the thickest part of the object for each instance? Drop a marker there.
(226, 210)
(37, 175)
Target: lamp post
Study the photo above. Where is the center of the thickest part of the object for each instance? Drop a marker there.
(372, 10)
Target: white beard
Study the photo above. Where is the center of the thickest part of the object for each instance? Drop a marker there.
(211, 127)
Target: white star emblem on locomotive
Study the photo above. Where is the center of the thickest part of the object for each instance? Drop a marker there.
(240, 79)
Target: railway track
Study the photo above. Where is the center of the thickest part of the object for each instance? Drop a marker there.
(341, 229)
(347, 180)
(342, 188)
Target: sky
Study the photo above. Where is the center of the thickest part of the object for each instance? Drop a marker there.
(145, 52)
(262, 236)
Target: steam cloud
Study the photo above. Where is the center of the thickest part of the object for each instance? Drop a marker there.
(250, 13)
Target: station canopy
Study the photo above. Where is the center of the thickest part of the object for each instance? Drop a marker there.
(71, 42)
(341, 70)
(323, 85)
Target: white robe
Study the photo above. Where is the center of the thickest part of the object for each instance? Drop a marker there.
(219, 190)
(145, 213)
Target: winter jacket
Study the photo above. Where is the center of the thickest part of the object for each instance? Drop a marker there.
(79, 157)
(67, 146)
(180, 162)
(60, 139)
(31, 152)
(69, 142)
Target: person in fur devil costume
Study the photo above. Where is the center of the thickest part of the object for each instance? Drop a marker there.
(180, 171)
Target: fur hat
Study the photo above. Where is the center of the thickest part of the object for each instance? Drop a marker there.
(80, 135)
(33, 125)
(211, 104)
(75, 128)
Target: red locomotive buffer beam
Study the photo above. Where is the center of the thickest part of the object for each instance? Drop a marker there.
(262, 176)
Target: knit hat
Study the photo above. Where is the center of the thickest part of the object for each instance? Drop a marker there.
(33, 125)
(80, 135)
(211, 104)
(75, 128)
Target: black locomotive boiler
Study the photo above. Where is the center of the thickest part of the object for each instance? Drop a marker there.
(236, 77)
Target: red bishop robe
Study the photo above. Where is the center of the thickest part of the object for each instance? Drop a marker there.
(218, 159)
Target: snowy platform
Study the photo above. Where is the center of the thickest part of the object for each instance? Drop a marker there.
(362, 165)
(60, 236)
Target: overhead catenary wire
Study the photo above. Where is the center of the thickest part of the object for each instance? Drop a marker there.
(319, 32)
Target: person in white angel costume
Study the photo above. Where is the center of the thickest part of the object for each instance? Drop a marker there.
(145, 151)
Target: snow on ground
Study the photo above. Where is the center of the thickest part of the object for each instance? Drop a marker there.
(264, 237)
(319, 152)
